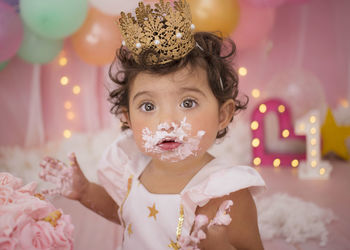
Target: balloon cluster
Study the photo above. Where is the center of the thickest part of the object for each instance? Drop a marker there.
(35, 29)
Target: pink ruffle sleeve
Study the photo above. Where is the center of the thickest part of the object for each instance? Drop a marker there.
(119, 161)
(216, 181)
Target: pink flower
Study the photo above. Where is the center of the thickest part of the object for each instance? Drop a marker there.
(8, 243)
(63, 234)
(30, 222)
(6, 179)
(36, 235)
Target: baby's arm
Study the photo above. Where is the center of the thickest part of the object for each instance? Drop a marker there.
(241, 233)
(72, 184)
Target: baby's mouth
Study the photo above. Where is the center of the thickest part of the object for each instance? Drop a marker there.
(169, 144)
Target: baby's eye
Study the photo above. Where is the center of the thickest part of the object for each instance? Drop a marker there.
(188, 103)
(147, 106)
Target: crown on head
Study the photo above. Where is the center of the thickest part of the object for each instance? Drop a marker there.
(165, 29)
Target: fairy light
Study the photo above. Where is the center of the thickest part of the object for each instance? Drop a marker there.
(70, 115)
(63, 61)
(313, 152)
(255, 142)
(257, 161)
(254, 125)
(322, 171)
(67, 133)
(281, 108)
(313, 130)
(262, 108)
(64, 80)
(344, 103)
(276, 163)
(67, 105)
(313, 141)
(295, 163)
(312, 119)
(242, 71)
(256, 93)
(76, 89)
(313, 163)
(285, 133)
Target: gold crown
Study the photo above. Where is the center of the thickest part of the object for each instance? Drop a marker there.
(166, 30)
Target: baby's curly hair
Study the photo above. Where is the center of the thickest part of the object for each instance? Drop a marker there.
(208, 53)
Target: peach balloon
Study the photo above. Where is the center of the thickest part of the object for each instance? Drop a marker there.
(98, 39)
(219, 15)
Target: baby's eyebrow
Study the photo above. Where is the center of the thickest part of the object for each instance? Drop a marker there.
(185, 89)
(141, 93)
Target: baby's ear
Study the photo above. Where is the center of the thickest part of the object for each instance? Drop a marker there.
(226, 113)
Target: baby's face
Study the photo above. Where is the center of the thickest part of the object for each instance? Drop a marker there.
(174, 116)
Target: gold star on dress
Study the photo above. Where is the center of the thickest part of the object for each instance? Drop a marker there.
(153, 211)
(334, 137)
(130, 230)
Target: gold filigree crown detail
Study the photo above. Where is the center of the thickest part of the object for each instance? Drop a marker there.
(167, 30)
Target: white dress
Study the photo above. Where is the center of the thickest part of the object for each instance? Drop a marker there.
(156, 221)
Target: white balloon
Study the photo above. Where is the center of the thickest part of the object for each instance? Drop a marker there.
(301, 89)
(114, 7)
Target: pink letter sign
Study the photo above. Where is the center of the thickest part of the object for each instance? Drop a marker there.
(286, 131)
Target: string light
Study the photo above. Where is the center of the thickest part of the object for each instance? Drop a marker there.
(295, 163)
(313, 163)
(285, 133)
(76, 90)
(70, 115)
(63, 61)
(313, 152)
(256, 93)
(281, 108)
(312, 119)
(242, 71)
(344, 103)
(257, 161)
(313, 141)
(322, 171)
(276, 162)
(67, 105)
(262, 108)
(254, 125)
(255, 142)
(313, 130)
(64, 80)
(67, 133)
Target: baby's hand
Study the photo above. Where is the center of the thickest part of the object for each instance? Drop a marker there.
(211, 235)
(70, 180)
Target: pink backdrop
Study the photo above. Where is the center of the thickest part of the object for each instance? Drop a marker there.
(314, 36)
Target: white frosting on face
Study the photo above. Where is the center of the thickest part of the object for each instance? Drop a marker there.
(179, 133)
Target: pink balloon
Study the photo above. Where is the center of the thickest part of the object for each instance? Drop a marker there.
(254, 25)
(11, 31)
(266, 3)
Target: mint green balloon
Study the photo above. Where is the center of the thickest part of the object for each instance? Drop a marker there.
(36, 49)
(54, 19)
(3, 64)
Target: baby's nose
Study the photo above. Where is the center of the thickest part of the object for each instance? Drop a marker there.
(166, 126)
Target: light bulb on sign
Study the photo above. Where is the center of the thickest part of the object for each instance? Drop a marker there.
(313, 167)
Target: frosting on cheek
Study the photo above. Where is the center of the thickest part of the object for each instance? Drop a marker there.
(179, 133)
